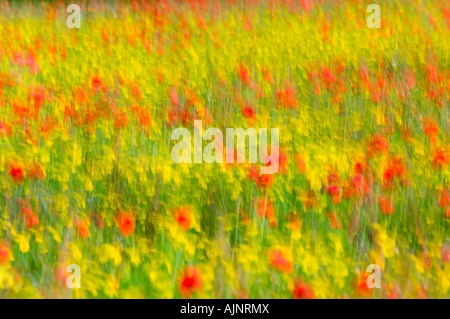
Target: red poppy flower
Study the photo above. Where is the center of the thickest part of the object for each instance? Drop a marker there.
(5, 129)
(386, 206)
(4, 254)
(83, 229)
(36, 172)
(302, 291)
(301, 165)
(38, 95)
(253, 173)
(273, 223)
(444, 201)
(265, 180)
(183, 217)
(262, 180)
(96, 83)
(267, 76)
(174, 98)
(441, 158)
(190, 282)
(447, 214)
(334, 222)
(248, 112)
(279, 157)
(126, 224)
(431, 130)
(264, 209)
(377, 144)
(120, 120)
(278, 261)
(396, 169)
(17, 174)
(243, 75)
(286, 97)
(334, 193)
(361, 285)
(327, 76)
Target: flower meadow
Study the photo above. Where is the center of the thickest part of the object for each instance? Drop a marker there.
(87, 178)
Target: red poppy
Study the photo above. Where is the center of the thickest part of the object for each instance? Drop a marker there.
(334, 193)
(248, 112)
(190, 282)
(79, 96)
(360, 168)
(144, 118)
(278, 261)
(447, 213)
(441, 158)
(178, 115)
(386, 206)
(36, 172)
(267, 76)
(38, 95)
(120, 120)
(302, 291)
(253, 173)
(361, 285)
(334, 222)
(262, 180)
(126, 224)
(279, 157)
(174, 98)
(243, 75)
(377, 144)
(327, 76)
(4, 254)
(31, 219)
(333, 179)
(96, 83)
(136, 91)
(301, 165)
(431, 130)
(273, 223)
(5, 129)
(17, 174)
(265, 180)
(286, 97)
(183, 217)
(444, 201)
(396, 169)
(83, 229)
(264, 209)
(359, 185)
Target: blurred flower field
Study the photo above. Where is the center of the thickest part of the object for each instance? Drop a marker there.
(86, 175)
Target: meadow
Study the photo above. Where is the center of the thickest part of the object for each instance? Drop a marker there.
(87, 178)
